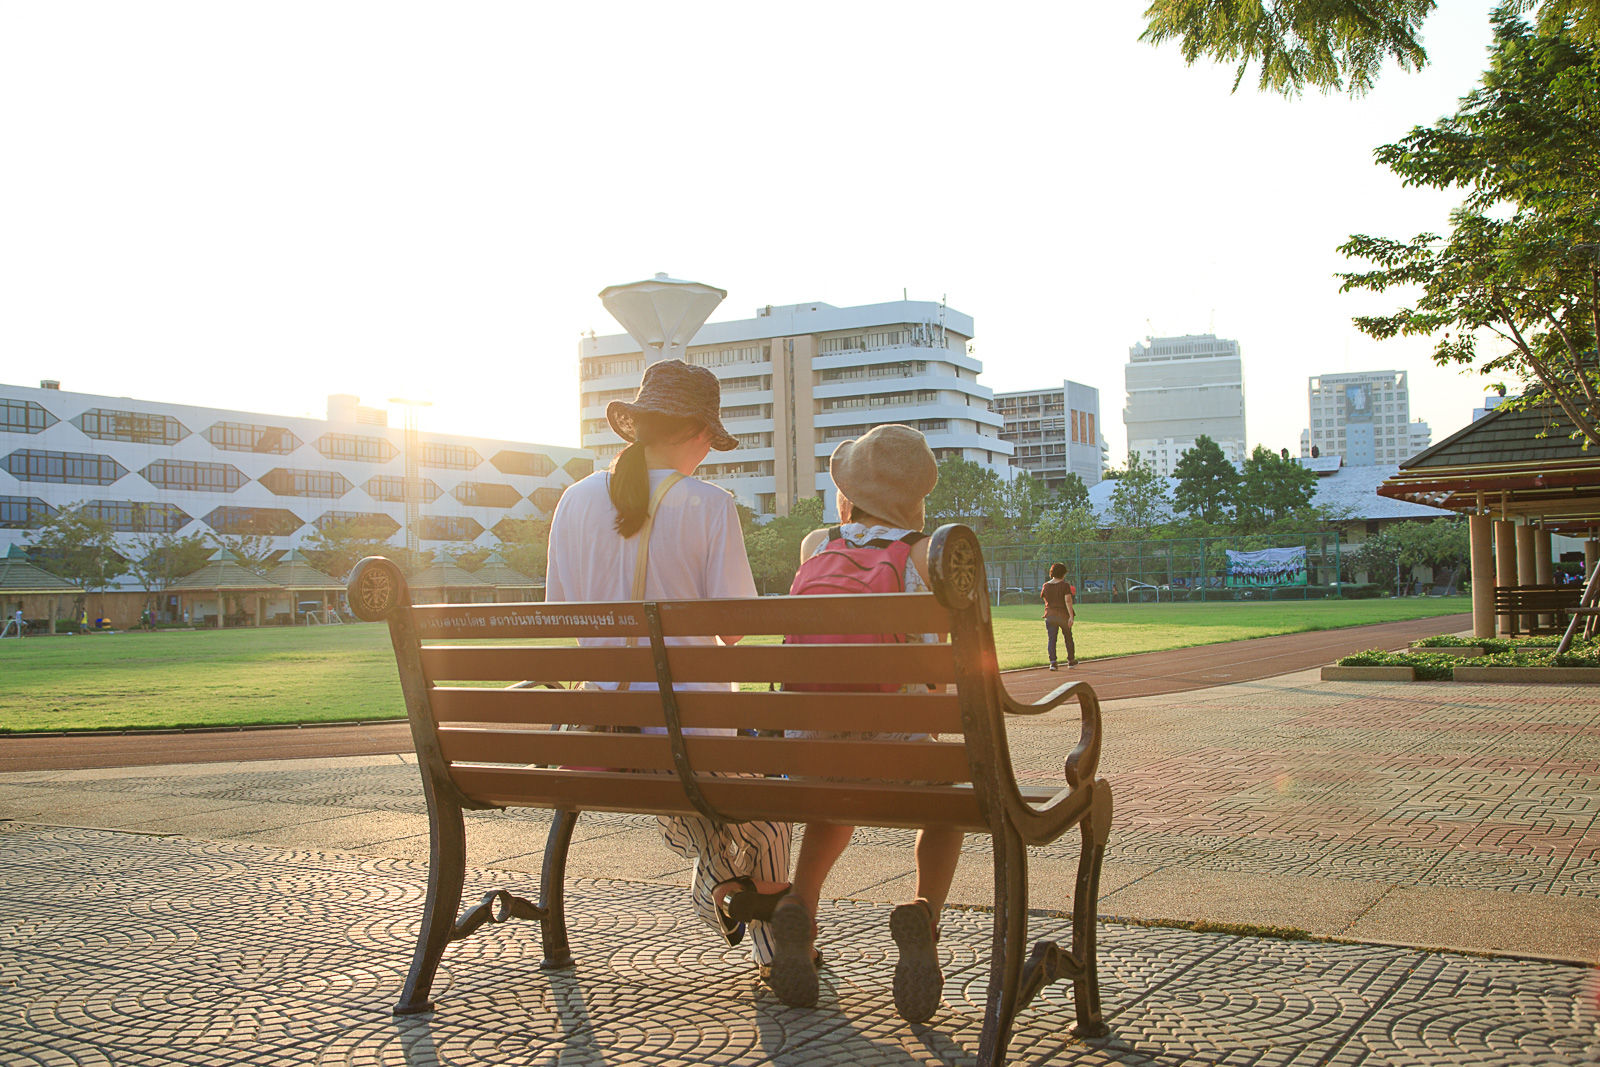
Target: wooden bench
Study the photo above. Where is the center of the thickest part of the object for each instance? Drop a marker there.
(1523, 604)
(492, 746)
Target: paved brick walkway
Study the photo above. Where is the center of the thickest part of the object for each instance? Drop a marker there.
(126, 949)
(274, 924)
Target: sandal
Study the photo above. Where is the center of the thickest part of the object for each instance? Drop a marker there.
(746, 905)
(918, 981)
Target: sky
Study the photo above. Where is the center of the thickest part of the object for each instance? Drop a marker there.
(253, 205)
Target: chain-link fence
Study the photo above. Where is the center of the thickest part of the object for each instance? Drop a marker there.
(1163, 571)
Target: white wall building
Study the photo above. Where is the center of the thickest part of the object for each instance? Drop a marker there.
(1179, 388)
(799, 378)
(150, 467)
(1364, 417)
(1056, 431)
(1420, 437)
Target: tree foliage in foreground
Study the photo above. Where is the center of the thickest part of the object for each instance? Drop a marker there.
(1522, 260)
(1273, 487)
(1331, 45)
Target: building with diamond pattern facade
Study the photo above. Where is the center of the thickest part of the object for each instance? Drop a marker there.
(149, 467)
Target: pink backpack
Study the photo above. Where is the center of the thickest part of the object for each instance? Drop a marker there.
(879, 566)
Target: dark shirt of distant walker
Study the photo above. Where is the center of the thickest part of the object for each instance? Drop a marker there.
(1057, 595)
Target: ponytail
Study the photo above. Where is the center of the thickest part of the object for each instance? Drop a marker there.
(629, 486)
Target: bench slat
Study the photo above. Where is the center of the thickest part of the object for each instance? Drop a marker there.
(905, 761)
(878, 613)
(777, 799)
(937, 713)
(846, 664)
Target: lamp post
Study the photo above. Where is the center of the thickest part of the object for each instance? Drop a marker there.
(413, 481)
(661, 313)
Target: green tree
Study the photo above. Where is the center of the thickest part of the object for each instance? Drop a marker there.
(252, 550)
(334, 548)
(1072, 493)
(79, 547)
(1061, 529)
(1207, 482)
(159, 560)
(525, 545)
(1330, 45)
(1273, 487)
(967, 492)
(774, 548)
(1022, 500)
(1139, 499)
(1522, 259)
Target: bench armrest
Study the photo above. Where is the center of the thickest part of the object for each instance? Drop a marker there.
(1085, 758)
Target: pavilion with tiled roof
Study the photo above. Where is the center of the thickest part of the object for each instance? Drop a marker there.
(223, 579)
(1518, 476)
(296, 574)
(509, 583)
(31, 588)
(443, 582)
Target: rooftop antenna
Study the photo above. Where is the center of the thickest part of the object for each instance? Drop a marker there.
(942, 298)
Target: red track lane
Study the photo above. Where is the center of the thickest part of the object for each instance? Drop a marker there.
(1146, 674)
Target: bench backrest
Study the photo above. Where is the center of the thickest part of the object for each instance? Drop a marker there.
(478, 685)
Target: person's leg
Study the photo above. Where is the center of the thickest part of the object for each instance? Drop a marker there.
(1072, 649)
(1050, 629)
(722, 854)
(793, 974)
(918, 979)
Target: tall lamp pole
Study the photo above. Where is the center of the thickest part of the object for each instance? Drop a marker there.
(413, 481)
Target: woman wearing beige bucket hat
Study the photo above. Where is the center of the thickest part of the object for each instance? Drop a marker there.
(883, 478)
(646, 529)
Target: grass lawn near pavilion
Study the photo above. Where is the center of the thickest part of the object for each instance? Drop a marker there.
(175, 678)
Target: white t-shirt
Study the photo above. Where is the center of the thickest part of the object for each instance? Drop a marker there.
(696, 552)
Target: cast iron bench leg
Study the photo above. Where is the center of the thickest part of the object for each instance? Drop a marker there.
(1006, 954)
(552, 895)
(447, 871)
(1086, 899)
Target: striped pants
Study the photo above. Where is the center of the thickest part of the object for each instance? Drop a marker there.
(758, 850)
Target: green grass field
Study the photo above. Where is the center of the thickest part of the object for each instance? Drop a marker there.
(344, 673)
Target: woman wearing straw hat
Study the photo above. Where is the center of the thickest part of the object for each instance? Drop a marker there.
(646, 529)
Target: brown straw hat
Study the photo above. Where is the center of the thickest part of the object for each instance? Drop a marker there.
(887, 472)
(673, 387)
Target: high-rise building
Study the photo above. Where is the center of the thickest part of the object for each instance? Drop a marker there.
(1056, 432)
(150, 467)
(799, 378)
(1180, 388)
(1364, 417)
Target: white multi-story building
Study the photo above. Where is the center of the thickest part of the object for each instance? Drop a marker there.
(1056, 432)
(799, 378)
(1180, 388)
(1364, 417)
(149, 467)
(1421, 436)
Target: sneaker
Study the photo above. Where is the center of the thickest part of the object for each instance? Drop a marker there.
(793, 971)
(1052, 666)
(918, 981)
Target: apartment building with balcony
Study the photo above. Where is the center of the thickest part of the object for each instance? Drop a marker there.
(799, 378)
(1179, 388)
(150, 467)
(1056, 432)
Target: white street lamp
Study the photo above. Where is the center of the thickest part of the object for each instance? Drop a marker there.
(661, 313)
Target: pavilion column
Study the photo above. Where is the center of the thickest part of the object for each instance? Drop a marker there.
(1541, 566)
(1591, 555)
(1527, 567)
(1505, 561)
(1478, 530)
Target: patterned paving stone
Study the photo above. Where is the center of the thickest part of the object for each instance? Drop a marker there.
(222, 953)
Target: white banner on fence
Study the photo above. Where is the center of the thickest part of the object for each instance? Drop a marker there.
(1267, 566)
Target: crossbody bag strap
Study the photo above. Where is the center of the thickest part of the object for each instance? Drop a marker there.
(641, 562)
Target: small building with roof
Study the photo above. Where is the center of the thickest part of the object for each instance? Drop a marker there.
(27, 587)
(226, 593)
(1521, 479)
(311, 593)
